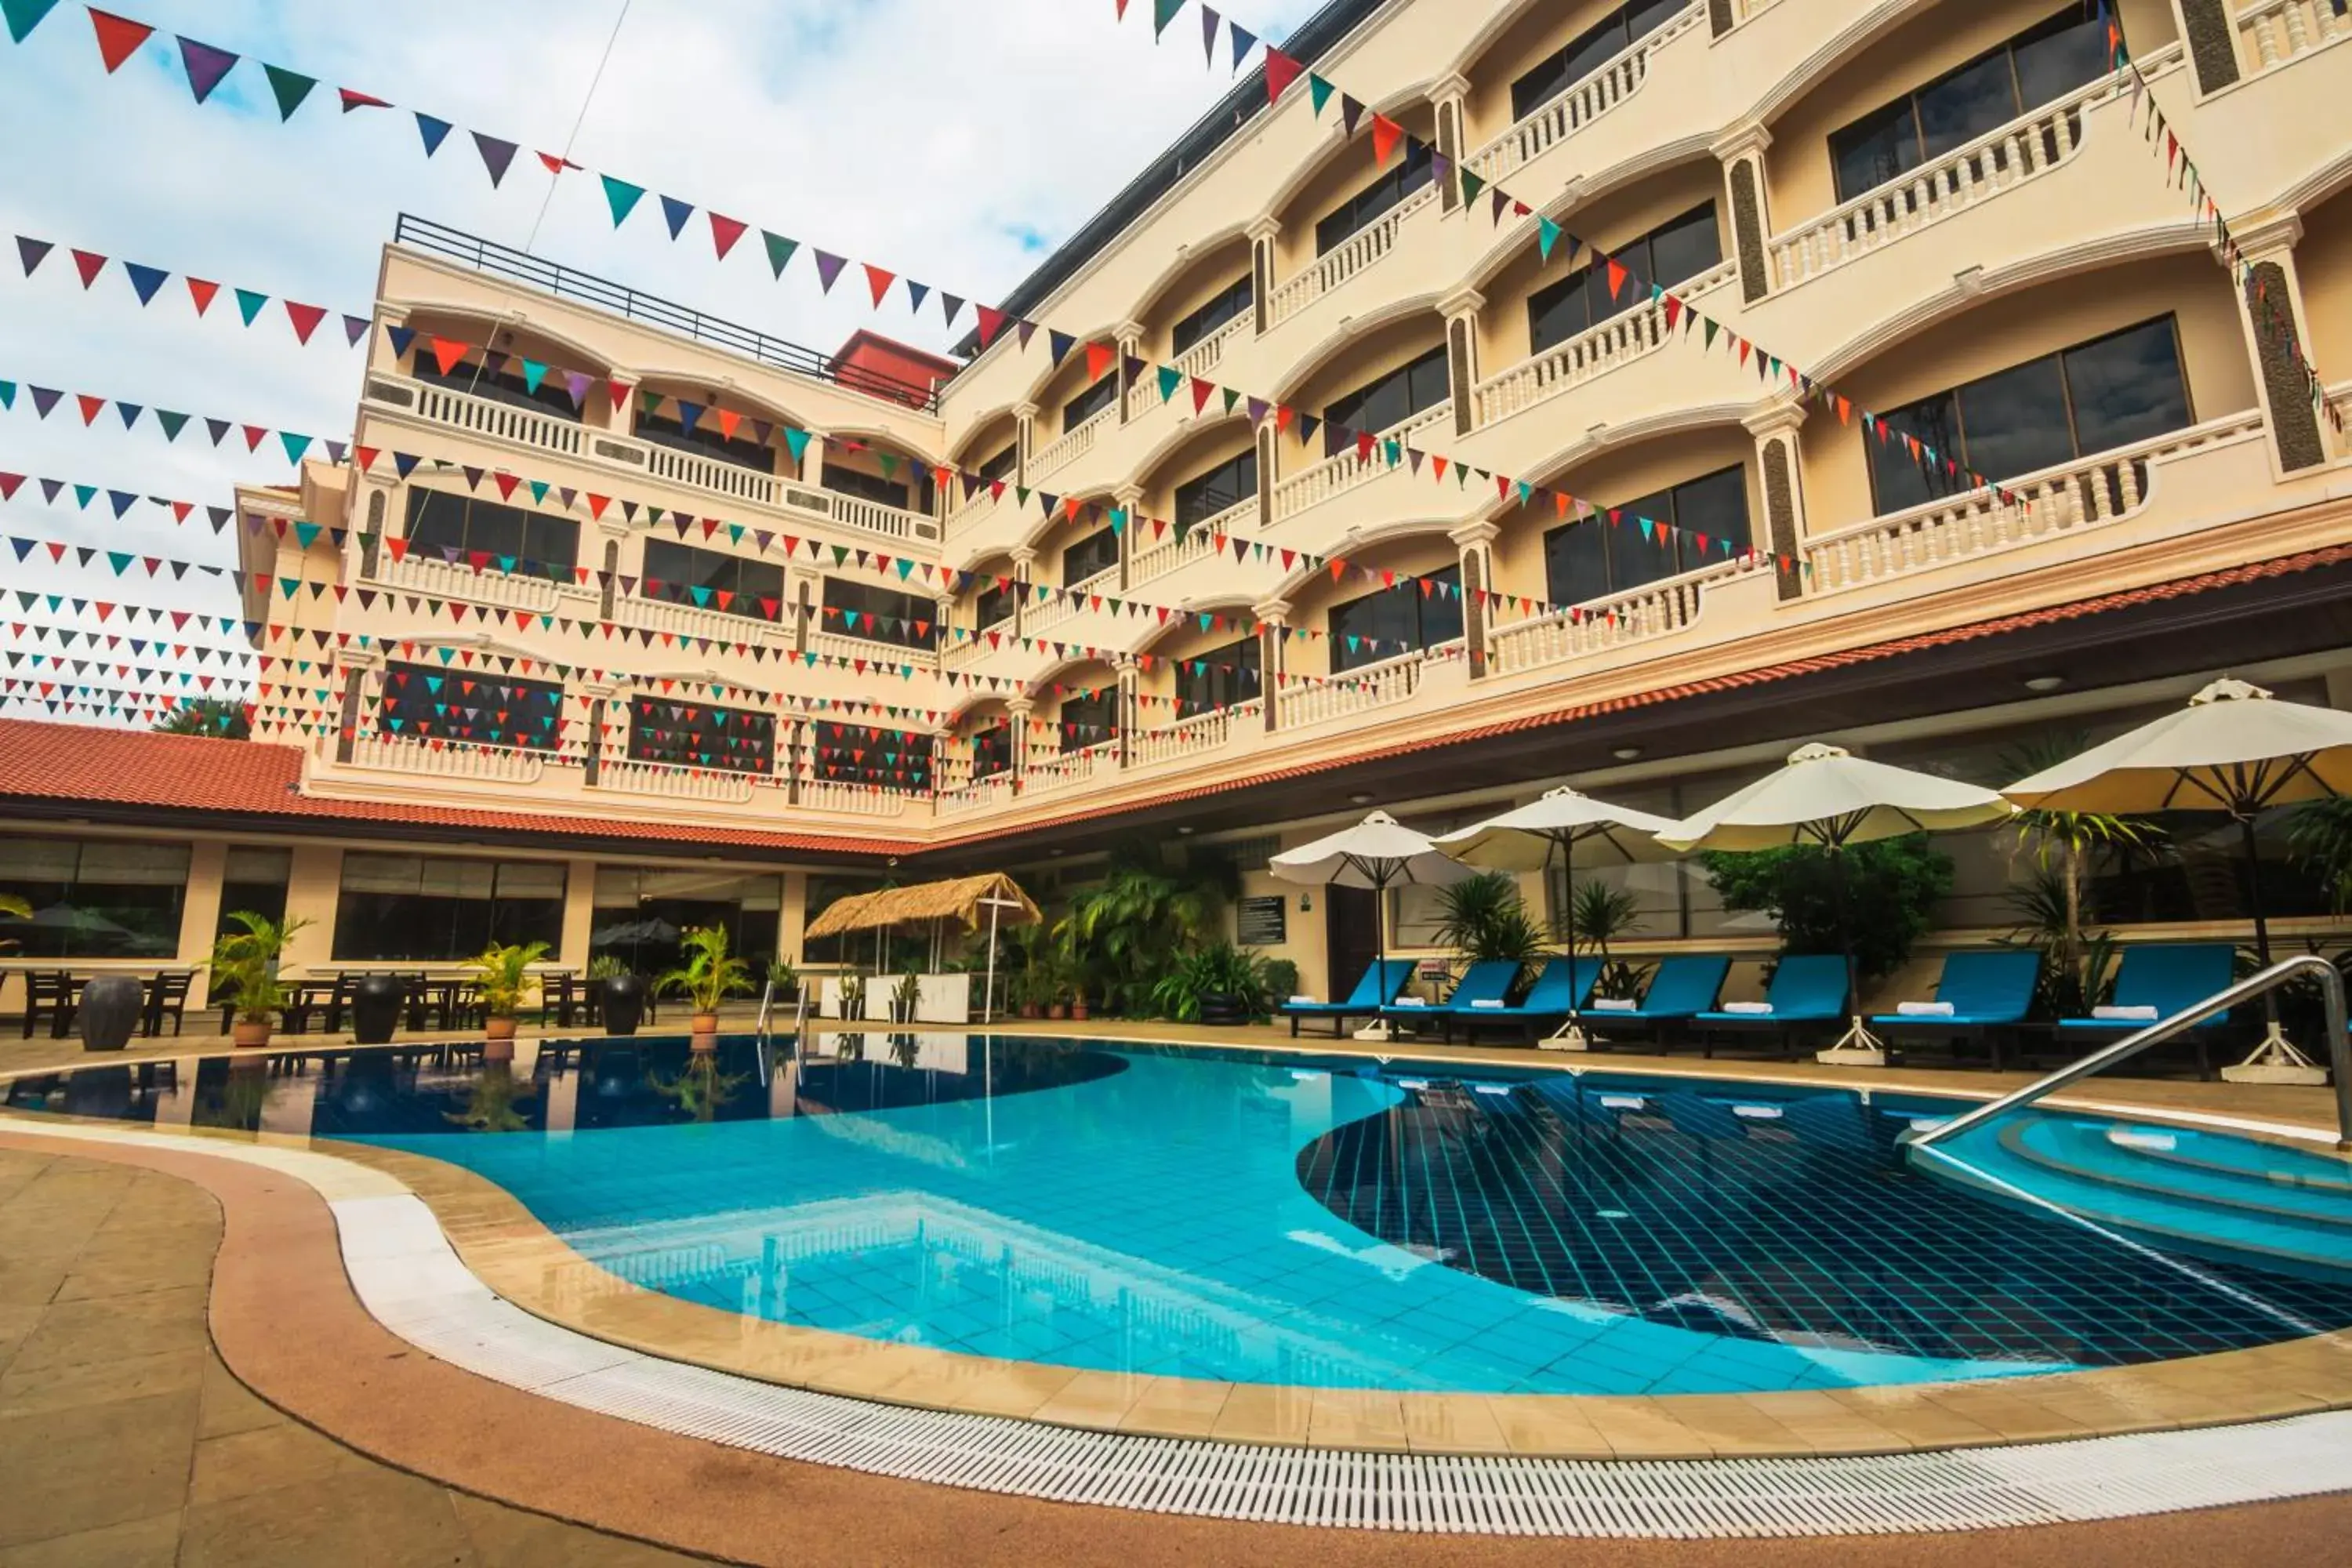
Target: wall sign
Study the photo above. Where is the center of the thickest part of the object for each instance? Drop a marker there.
(1261, 921)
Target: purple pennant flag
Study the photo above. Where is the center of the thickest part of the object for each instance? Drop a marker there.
(577, 384)
(45, 398)
(335, 451)
(50, 488)
(1350, 111)
(762, 431)
(1209, 20)
(1502, 200)
(32, 252)
(218, 428)
(354, 329)
(1028, 330)
(473, 476)
(1441, 169)
(950, 306)
(206, 66)
(496, 156)
(828, 268)
(1257, 407)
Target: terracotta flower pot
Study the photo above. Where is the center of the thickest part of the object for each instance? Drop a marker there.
(1078, 1009)
(1056, 1011)
(499, 1030)
(251, 1037)
(496, 1050)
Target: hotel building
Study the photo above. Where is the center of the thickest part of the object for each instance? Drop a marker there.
(634, 618)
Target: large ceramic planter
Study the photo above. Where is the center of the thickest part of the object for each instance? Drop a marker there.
(252, 1037)
(1221, 1007)
(497, 1028)
(110, 1011)
(624, 1003)
(375, 1008)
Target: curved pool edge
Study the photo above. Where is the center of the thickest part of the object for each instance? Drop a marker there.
(514, 1258)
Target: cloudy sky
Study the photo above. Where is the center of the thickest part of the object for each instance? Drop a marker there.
(956, 140)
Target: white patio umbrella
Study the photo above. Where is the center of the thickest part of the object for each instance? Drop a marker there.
(2235, 749)
(1827, 796)
(1531, 836)
(1377, 852)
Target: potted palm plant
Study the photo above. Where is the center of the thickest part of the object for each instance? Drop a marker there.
(905, 998)
(708, 976)
(244, 962)
(503, 976)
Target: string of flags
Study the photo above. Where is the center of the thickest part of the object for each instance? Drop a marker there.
(43, 401)
(39, 634)
(147, 282)
(27, 599)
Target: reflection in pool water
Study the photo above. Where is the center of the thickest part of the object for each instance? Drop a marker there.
(1282, 1219)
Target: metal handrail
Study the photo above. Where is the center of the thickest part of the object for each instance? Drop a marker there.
(2339, 1048)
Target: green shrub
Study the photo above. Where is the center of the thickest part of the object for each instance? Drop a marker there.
(1890, 891)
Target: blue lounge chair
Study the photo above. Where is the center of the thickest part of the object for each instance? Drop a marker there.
(1679, 992)
(2171, 979)
(1563, 982)
(1382, 982)
(1990, 991)
(1808, 990)
(1488, 980)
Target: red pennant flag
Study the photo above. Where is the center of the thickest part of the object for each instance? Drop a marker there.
(253, 437)
(1099, 359)
(447, 353)
(1385, 135)
(992, 322)
(1616, 276)
(89, 264)
(355, 99)
(366, 457)
(879, 280)
(201, 292)
(91, 407)
(1281, 71)
(118, 37)
(1201, 390)
(724, 233)
(306, 319)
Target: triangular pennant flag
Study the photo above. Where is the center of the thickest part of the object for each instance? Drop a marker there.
(622, 197)
(289, 88)
(779, 250)
(1318, 90)
(724, 233)
(205, 67)
(1162, 12)
(878, 280)
(435, 132)
(828, 268)
(23, 15)
(1385, 135)
(306, 319)
(145, 279)
(497, 156)
(675, 213)
(32, 252)
(249, 304)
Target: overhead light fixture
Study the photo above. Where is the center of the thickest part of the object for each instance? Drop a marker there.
(1186, 831)
(1626, 753)
(1361, 797)
(2044, 682)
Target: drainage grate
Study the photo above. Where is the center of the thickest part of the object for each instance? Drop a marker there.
(405, 1272)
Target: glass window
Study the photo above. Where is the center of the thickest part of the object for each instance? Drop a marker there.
(1387, 402)
(640, 915)
(856, 754)
(696, 735)
(1001, 467)
(713, 580)
(2111, 391)
(1090, 719)
(254, 881)
(1089, 402)
(878, 615)
(1221, 489)
(746, 448)
(432, 908)
(510, 385)
(2046, 61)
(1227, 304)
(422, 702)
(1594, 558)
(1218, 678)
(992, 751)
(1589, 51)
(1673, 252)
(1389, 622)
(491, 536)
(1086, 559)
(1406, 175)
(994, 605)
(94, 899)
(912, 493)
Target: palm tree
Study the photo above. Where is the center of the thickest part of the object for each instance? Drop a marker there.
(1130, 928)
(1486, 917)
(2067, 847)
(208, 716)
(1600, 913)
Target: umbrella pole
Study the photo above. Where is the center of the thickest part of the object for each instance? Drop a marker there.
(1569, 1036)
(1857, 1046)
(2275, 1051)
(1379, 1029)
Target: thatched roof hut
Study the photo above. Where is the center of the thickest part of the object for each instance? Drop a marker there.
(960, 899)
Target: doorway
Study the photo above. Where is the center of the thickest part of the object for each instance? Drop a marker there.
(1351, 935)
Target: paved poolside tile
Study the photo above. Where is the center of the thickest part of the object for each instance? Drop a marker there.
(1261, 1413)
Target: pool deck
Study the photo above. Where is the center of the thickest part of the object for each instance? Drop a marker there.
(285, 1321)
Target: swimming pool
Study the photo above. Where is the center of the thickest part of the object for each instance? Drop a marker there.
(1336, 1222)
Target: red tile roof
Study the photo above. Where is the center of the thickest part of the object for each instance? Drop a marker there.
(77, 763)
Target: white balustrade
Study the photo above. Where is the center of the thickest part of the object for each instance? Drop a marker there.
(1307, 702)
(713, 474)
(1202, 357)
(1931, 193)
(2272, 32)
(1583, 101)
(890, 654)
(968, 650)
(675, 783)
(1577, 631)
(547, 431)
(1039, 619)
(1343, 261)
(1350, 467)
(993, 790)
(856, 511)
(851, 800)
(490, 764)
(1198, 542)
(652, 614)
(1566, 365)
(1069, 768)
(1189, 737)
(428, 572)
(1070, 446)
(2067, 499)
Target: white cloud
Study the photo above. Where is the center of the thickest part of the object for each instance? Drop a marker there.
(952, 140)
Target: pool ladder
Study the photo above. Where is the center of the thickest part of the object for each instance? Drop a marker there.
(2339, 1049)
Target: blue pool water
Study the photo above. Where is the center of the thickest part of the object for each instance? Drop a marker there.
(1326, 1221)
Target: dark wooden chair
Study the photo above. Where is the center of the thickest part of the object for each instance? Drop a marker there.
(53, 994)
(167, 995)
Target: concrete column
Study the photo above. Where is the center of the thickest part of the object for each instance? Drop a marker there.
(376, 520)
(1017, 712)
(1461, 313)
(1263, 232)
(2209, 28)
(200, 905)
(356, 664)
(1024, 563)
(600, 713)
(800, 590)
(1273, 622)
(314, 886)
(1123, 715)
(1025, 440)
(795, 736)
(2270, 309)
(606, 587)
(579, 912)
(1129, 338)
(792, 923)
(1778, 470)
(1446, 97)
(624, 418)
(1128, 499)
(812, 461)
(1741, 152)
(1476, 540)
(1269, 458)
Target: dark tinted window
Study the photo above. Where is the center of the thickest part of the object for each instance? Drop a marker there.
(910, 494)
(1589, 51)
(1083, 559)
(511, 384)
(1000, 466)
(1089, 402)
(427, 702)
(431, 908)
(696, 735)
(713, 580)
(746, 448)
(1399, 180)
(2046, 61)
(93, 900)
(1388, 401)
(1089, 720)
(1218, 678)
(993, 605)
(855, 753)
(1227, 485)
(1594, 558)
(992, 751)
(253, 879)
(495, 538)
(1228, 304)
(2111, 391)
(1393, 621)
(877, 615)
(1673, 252)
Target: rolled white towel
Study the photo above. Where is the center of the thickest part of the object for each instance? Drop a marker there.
(1924, 1009)
(2141, 1015)
(1613, 1005)
(1306, 1002)
(1411, 1001)
(1496, 1002)
(1747, 1007)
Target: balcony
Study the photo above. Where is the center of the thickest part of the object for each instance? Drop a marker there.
(1202, 732)
(1368, 688)
(421, 573)
(690, 623)
(1067, 605)
(1070, 769)
(1567, 366)
(668, 782)
(1071, 445)
(2272, 32)
(851, 800)
(1582, 631)
(1586, 101)
(859, 651)
(1347, 471)
(2067, 501)
(1198, 544)
(994, 790)
(1360, 251)
(1203, 356)
(488, 764)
